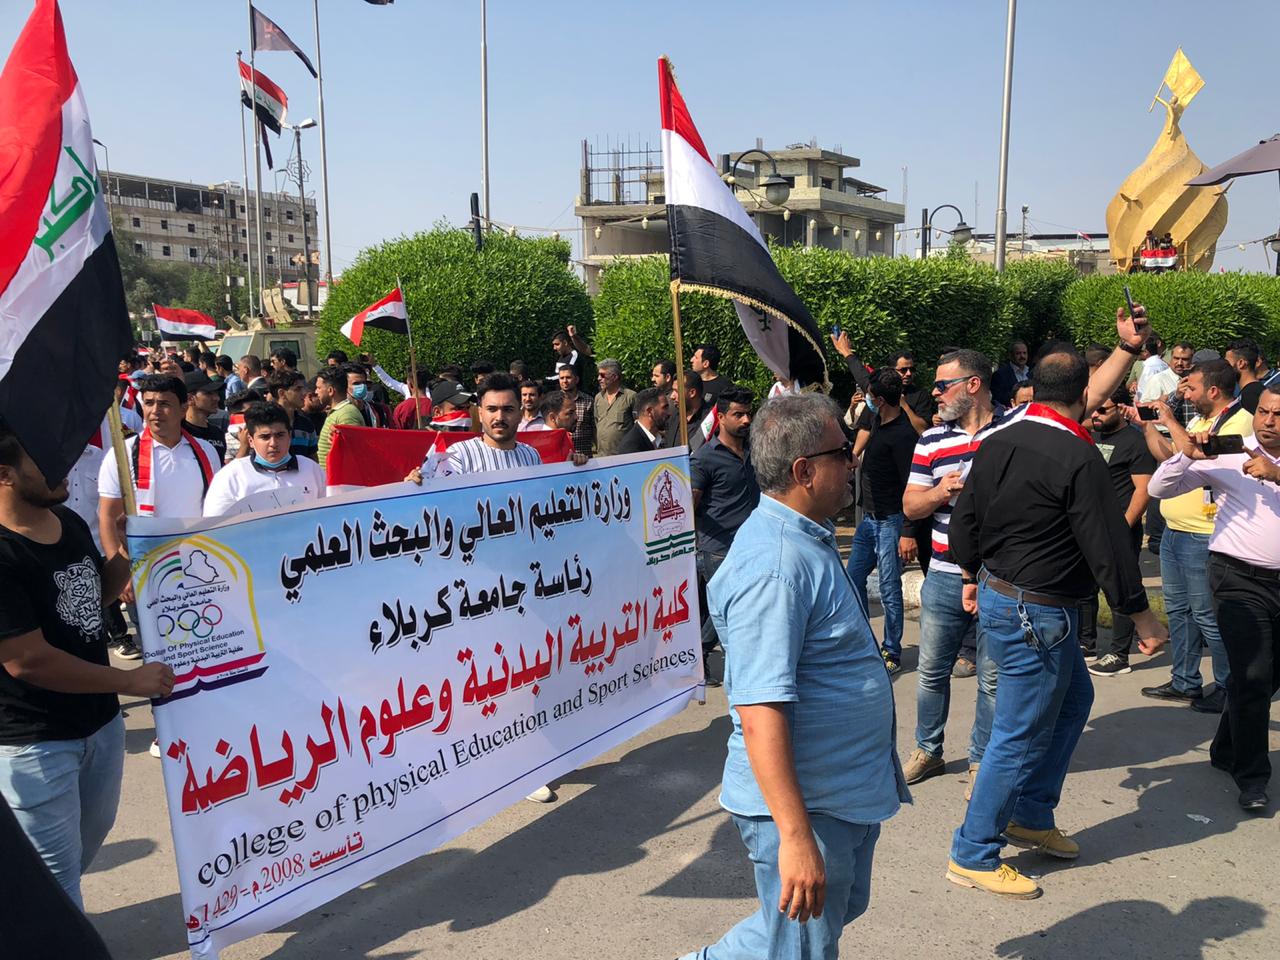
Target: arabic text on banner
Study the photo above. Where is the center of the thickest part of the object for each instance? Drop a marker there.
(362, 679)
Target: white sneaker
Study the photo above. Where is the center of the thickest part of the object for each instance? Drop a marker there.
(541, 795)
(155, 749)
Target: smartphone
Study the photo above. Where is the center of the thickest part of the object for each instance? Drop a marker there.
(1218, 446)
(836, 331)
(1128, 298)
(1148, 413)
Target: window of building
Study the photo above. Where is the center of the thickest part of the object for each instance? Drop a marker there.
(828, 183)
(191, 228)
(164, 251)
(137, 221)
(243, 233)
(192, 254)
(164, 224)
(290, 238)
(268, 234)
(137, 247)
(271, 259)
(266, 211)
(288, 215)
(306, 217)
(244, 258)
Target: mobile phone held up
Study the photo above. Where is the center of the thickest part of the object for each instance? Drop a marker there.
(836, 331)
(1148, 413)
(1220, 446)
(1128, 299)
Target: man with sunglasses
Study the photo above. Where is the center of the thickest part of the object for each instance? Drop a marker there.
(811, 770)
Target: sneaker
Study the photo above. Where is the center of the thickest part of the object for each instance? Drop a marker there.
(126, 649)
(1253, 799)
(973, 778)
(1052, 842)
(891, 663)
(1167, 691)
(964, 668)
(1214, 702)
(1003, 881)
(921, 766)
(1089, 653)
(155, 749)
(541, 795)
(1110, 665)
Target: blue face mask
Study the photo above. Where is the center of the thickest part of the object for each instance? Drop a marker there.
(359, 391)
(264, 462)
(871, 405)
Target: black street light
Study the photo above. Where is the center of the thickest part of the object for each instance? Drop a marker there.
(961, 233)
(1273, 242)
(776, 189)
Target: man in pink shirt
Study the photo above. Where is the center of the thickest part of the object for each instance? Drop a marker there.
(1244, 577)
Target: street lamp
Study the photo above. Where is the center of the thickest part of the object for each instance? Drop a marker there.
(107, 161)
(1274, 242)
(776, 189)
(961, 233)
(302, 202)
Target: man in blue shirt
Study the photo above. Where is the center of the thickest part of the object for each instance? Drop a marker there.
(811, 770)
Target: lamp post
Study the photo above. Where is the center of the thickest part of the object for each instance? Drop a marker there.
(776, 189)
(961, 233)
(302, 202)
(107, 161)
(1274, 243)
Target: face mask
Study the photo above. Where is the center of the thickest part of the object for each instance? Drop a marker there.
(872, 406)
(359, 391)
(264, 462)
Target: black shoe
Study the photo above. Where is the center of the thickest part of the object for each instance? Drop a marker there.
(126, 649)
(711, 682)
(1110, 665)
(964, 668)
(1253, 798)
(1089, 653)
(1166, 691)
(1214, 702)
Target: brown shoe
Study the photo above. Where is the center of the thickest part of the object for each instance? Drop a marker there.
(973, 777)
(921, 766)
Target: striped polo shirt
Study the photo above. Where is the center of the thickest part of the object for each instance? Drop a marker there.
(476, 456)
(943, 450)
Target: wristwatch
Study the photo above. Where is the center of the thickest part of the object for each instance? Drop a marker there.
(967, 580)
(1135, 351)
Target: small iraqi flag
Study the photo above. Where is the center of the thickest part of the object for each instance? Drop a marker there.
(387, 314)
(62, 304)
(270, 104)
(178, 324)
(717, 249)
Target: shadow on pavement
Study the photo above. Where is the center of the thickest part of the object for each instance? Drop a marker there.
(120, 852)
(721, 872)
(1142, 734)
(141, 931)
(1139, 928)
(635, 799)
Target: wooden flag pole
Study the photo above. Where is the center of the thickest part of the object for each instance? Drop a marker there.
(413, 361)
(122, 459)
(680, 390)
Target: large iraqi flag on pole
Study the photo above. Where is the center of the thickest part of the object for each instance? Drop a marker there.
(62, 302)
(388, 314)
(716, 248)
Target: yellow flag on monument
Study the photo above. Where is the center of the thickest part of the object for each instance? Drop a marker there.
(1182, 79)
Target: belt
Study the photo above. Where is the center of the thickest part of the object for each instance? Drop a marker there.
(877, 515)
(1009, 590)
(1248, 569)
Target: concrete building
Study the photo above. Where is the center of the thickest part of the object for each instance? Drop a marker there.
(621, 203)
(208, 225)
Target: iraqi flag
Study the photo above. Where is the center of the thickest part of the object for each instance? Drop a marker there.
(178, 324)
(62, 302)
(387, 314)
(716, 248)
(270, 104)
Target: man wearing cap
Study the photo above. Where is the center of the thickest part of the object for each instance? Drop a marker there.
(331, 388)
(204, 397)
(450, 407)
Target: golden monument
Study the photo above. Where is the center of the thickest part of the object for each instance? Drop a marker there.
(1155, 200)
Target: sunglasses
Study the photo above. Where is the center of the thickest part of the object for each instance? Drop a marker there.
(942, 386)
(906, 369)
(845, 450)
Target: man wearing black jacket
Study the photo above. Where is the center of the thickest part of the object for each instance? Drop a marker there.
(651, 410)
(1036, 522)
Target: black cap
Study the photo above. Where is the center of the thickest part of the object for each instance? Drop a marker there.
(197, 381)
(447, 391)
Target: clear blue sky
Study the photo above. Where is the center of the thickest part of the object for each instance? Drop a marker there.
(895, 83)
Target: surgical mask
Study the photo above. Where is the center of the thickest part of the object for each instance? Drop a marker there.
(360, 391)
(872, 406)
(268, 464)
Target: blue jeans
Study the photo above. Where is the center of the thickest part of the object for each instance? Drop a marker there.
(1042, 704)
(847, 850)
(875, 546)
(1188, 602)
(64, 794)
(943, 624)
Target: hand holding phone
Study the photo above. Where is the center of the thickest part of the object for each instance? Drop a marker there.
(1128, 299)
(1150, 414)
(1219, 445)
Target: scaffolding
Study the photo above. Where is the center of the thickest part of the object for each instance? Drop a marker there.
(621, 172)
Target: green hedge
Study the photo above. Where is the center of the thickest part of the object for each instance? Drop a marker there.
(501, 304)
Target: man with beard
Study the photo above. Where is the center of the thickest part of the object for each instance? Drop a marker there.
(61, 734)
(652, 410)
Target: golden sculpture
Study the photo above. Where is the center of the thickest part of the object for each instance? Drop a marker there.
(1155, 200)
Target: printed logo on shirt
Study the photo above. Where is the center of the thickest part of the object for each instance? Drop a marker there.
(668, 514)
(1106, 449)
(80, 598)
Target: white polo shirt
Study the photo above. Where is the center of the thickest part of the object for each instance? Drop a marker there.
(179, 485)
(244, 487)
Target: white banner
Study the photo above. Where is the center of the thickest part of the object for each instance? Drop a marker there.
(365, 678)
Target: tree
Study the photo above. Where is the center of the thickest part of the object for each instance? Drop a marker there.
(207, 291)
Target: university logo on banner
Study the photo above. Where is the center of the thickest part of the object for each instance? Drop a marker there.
(667, 528)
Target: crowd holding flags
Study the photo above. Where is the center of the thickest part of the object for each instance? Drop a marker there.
(62, 303)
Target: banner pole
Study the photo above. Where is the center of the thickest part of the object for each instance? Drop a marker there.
(257, 157)
(324, 155)
(244, 160)
(680, 391)
(413, 360)
(122, 460)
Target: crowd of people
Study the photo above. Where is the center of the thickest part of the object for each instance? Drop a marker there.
(1020, 491)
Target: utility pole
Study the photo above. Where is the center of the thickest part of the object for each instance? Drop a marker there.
(1023, 243)
(484, 110)
(1002, 190)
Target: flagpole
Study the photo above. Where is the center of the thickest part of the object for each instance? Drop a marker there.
(680, 393)
(413, 359)
(122, 460)
(244, 161)
(257, 152)
(324, 157)
(484, 110)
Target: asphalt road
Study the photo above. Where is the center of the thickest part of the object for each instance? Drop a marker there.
(636, 859)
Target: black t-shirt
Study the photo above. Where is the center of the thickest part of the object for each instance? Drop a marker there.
(711, 390)
(920, 401)
(56, 589)
(886, 464)
(215, 435)
(1127, 456)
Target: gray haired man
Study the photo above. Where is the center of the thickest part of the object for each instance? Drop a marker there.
(613, 408)
(811, 771)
